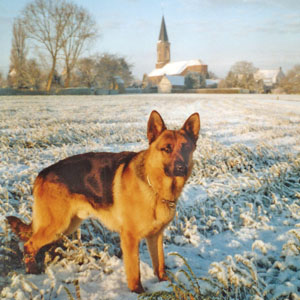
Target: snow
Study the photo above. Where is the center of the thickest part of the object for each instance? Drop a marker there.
(238, 219)
(175, 68)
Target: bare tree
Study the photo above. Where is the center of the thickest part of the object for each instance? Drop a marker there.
(211, 75)
(45, 22)
(34, 74)
(102, 70)
(80, 30)
(17, 73)
(109, 66)
(243, 68)
(291, 82)
(1, 80)
(241, 75)
(86, 72)
(230, 81)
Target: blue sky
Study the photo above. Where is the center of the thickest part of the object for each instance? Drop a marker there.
(219, 32)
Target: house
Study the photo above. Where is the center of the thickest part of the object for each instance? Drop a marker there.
(165, 67)
(169, 84)
(117, 84)
(212, 83)
(270, 78)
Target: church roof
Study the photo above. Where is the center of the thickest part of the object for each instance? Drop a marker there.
(163, 36)
(175, 68)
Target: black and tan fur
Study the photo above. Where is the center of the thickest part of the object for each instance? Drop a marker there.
(132, 193)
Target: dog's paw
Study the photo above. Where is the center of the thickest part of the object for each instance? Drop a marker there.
(163, 277)
(139, 289)
(31, 265)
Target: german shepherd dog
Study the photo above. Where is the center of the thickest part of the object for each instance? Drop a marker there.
(134, 194)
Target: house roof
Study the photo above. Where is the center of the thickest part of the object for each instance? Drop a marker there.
(211, 82)
(176, 80)
(163, 36)
(175, 68)
(268, 76)
(118, 80)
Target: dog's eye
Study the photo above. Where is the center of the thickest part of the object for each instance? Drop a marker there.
(167, 148)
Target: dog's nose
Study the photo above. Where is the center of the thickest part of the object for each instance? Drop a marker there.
(180, 169)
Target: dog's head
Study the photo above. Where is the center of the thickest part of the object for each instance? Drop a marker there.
(173, 148)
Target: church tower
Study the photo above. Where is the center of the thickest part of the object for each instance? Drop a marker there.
(163, 46)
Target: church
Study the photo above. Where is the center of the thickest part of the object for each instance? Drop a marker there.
(164, 66)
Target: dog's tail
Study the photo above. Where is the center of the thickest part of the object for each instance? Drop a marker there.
(22, 230)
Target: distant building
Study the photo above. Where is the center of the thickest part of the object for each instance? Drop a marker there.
(117, 84)
(163, 64)
(270, 78)
(169, 84)
(179, 68)
(212, 83)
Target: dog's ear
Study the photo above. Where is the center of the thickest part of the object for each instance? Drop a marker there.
(192, 126)
(155, 127)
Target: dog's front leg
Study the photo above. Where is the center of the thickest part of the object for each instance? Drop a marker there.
(155, 247)
(130, 248)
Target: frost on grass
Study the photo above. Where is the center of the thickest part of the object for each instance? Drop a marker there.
(237, 221)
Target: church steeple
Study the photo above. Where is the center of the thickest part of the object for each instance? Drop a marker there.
(163, 46)
(163, 36)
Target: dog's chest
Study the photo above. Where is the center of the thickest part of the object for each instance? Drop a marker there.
(161, 216)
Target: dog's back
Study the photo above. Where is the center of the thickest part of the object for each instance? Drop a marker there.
(89, 174)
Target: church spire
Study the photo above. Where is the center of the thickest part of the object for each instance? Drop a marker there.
(163, 46)
(163, 36)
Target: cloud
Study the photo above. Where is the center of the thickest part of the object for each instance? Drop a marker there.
(293, 24)
(111, 24)
(287, 4)
(283, 24)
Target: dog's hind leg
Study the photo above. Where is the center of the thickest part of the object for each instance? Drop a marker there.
(45, 234)
(52, 216)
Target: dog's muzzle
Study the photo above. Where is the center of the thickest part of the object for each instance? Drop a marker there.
(180, 170)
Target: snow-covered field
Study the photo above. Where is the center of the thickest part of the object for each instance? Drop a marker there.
(238, 219)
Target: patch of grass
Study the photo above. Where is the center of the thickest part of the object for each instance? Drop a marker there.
(180, 290)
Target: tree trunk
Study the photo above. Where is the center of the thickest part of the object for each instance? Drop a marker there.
(68, 78)
(51, 74)
(49, 82)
